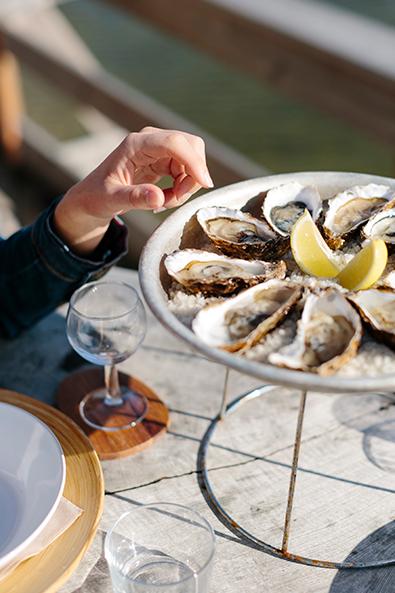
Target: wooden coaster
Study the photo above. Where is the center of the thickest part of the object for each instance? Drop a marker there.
(120, 443)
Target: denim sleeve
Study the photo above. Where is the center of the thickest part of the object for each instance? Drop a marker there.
(38, 271)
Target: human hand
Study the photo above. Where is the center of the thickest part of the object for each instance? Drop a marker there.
(125, 181)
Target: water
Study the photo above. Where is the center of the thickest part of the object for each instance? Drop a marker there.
(279, 133)
(111, 357)
(146, 572)
(156, 569)
(102, 348)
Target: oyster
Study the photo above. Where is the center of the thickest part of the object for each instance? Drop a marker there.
(387, 278)
(352, 207)
(283, 205)
(328, 335)
(377, 309)
(382, 224)
(239, 234)
(241, 321)
(213, 274)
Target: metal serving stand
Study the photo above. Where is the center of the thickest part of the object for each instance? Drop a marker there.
(166, 239)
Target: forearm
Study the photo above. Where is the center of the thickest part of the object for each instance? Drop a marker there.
(38, 271)
(81, 232)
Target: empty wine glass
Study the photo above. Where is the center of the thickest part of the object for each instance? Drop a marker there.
(106, 323)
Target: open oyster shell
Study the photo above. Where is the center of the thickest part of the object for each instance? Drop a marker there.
(377, 309)
(351, 208)
(382, 224)
(328, 335)
(283, 205)
(214, 274)
(239, 234)
(241, 321)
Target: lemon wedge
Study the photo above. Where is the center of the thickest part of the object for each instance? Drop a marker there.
(366, 267)
(309, 249)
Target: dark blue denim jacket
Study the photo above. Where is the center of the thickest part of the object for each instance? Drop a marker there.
(38, 271)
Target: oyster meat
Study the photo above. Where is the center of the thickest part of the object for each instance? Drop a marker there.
(214, 274)
(241, 321)
(328, 335)
(351, 208)
(240, 234)
(377, 309)
(382, 224)
(283, 205)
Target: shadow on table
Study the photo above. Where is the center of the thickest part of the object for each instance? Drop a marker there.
(373, 443)
(375, 580)
(31, 363)
(374, 416)
(378, 580)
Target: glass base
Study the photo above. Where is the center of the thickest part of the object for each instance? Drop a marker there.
(102, 412)
(162, 571)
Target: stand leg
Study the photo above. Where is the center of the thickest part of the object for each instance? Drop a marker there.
(291, 491)
(224, 401)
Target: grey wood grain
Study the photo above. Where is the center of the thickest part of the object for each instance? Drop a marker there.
(344, 501)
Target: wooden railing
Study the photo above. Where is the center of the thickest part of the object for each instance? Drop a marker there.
(338, 62)
(124, 105)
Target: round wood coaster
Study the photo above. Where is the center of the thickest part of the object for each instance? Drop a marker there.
(120, 443)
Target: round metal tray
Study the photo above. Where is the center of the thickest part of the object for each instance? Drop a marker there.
(167, 238)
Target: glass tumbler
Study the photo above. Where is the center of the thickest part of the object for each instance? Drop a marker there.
(160, 547)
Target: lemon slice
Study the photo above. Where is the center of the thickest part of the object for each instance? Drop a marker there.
(366, 267)
(309, 249)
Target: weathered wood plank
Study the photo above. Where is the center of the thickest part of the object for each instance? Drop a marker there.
(317, 53)
(344, 490)
(237, 568)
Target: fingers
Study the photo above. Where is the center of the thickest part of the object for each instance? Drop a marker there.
(182, 190)
(144, 157)
(148, 147)
(191, 156)
(176, 169)
(184, 185)
(144, 196)
(196, 141)
(146, 175)
(159, 168)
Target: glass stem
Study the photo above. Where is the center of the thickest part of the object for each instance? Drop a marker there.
(114, 395)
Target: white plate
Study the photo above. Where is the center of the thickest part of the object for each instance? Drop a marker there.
(32, 477)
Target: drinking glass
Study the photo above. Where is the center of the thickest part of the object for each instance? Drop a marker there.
(106, 323)
(160, 548)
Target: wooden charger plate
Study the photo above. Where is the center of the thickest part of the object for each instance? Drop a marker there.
(46, 572)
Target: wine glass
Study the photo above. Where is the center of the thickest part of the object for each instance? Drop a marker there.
(106, 323)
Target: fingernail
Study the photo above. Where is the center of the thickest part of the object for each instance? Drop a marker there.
(208, 181)
(183, 198)
(151, 199)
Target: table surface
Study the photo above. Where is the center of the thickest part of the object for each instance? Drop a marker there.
(344, 499)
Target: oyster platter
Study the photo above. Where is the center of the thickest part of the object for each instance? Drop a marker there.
(298, 275)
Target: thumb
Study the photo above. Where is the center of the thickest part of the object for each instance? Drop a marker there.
(144, 196)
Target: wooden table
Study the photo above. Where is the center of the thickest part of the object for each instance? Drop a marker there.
(344, 494)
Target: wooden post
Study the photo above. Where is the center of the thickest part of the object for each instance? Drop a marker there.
(11, 103)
